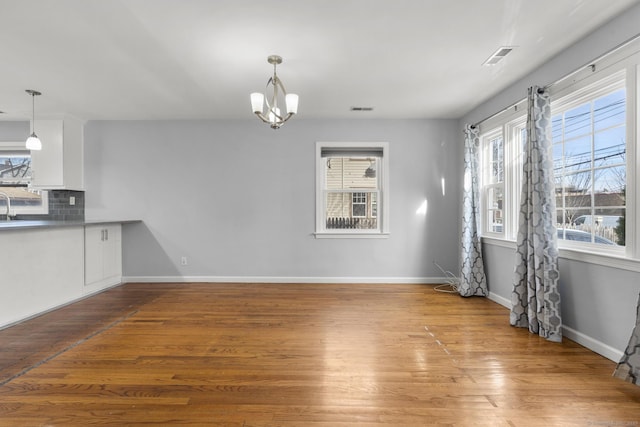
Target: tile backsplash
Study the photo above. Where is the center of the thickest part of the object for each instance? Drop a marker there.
(60, 208)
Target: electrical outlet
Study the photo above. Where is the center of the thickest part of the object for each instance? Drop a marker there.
(184, 261)
(72, 200)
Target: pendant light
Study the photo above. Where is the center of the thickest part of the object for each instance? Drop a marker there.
(33, 142)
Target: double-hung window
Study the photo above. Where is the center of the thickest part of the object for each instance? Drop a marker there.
(493, 154)
(501, 160)
(352, 189)
(589, 155)
(15, 177)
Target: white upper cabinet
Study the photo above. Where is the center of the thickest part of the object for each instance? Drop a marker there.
(59, 165)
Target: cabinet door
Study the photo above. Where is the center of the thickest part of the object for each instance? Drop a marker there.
(112, 253)
(93, 263)
(47, 163)
(59, 165)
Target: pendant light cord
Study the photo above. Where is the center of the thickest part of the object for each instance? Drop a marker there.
(33, 113)
(33, 94)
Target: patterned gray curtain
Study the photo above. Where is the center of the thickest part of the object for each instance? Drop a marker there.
(535, 299)
(472, 279)
(629, 367)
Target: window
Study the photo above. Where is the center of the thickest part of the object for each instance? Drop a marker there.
(594, 134)
(352, 189)
(589, 155)
(493, 154)
(15, 176)
(359, 205)
(501, 160)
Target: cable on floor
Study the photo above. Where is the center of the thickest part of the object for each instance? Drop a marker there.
(451, 281)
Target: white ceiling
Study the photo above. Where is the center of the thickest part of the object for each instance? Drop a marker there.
(192, 59)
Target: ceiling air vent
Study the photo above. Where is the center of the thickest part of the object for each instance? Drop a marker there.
(498, 55)
(361, 108)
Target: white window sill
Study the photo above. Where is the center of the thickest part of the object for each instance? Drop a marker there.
(351, 235)
(615, 259)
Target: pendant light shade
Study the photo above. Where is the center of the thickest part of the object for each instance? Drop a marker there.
(33, 142)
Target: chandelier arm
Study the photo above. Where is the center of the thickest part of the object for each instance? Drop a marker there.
(274, 124)
(274, 97)
(279, 82)
(262, 117)
(273, 105)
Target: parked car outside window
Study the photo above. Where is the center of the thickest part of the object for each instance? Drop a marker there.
(581, 236)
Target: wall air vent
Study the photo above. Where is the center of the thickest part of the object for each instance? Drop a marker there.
(498, 55)
(361, 108)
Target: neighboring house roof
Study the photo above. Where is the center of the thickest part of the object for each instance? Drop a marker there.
(600, 199)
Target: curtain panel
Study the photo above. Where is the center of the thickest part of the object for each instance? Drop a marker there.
(472, 277)
(535, 298)
(628, 368)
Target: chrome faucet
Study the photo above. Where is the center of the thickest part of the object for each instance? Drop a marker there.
(6, 196)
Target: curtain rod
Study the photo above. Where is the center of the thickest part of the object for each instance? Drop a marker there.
(540, 91)
(591, 64)
(473, 126)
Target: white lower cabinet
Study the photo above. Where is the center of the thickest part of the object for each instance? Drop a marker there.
(40, 270)
(102, 255)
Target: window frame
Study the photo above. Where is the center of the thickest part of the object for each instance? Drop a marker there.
(588, 92)
(43, 209)
(508, 124)
(382, 193)
(514, 155)
(487, 184)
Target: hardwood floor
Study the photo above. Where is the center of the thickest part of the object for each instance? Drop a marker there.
(298, 355)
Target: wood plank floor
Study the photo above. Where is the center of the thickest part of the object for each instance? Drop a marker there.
(298, 355)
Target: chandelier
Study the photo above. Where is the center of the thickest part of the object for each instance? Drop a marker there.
(272, 115)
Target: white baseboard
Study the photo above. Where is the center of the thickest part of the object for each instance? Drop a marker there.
(500, 300)
(271, 279)
(570, 333)
(593, 344)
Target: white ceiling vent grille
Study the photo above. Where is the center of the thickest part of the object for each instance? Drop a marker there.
(498, 55)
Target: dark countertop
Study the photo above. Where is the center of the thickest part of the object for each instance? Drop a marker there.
(33, 224)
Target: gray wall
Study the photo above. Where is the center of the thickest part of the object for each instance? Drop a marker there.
(238, 199)
(598, 302)
(14, 131)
